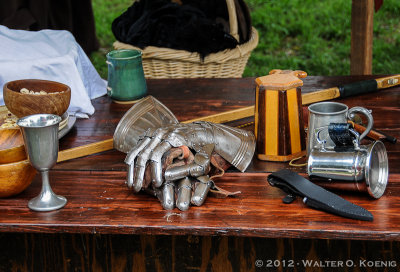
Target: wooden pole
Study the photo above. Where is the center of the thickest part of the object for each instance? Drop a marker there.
(362, 21)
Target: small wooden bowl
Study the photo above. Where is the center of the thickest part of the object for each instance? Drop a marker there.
(15, 177)
(12, 148)
(56, 101)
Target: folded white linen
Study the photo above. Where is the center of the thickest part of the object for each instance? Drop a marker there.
(50, 55)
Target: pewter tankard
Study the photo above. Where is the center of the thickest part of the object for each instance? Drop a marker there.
(354, 168)
(324, 113)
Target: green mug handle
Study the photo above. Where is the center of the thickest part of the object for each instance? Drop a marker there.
(109, 63)
(109, 89)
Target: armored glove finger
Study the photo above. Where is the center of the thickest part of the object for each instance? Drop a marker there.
(187, 190)
(201, 189)
(166, 195)
(184, 193)
(200, 165)
(180, 193)
(154, 145)
(175, 157)
(129, 160)
(138, 157)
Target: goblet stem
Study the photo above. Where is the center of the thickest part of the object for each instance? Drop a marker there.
(47, 200)
(46, 188)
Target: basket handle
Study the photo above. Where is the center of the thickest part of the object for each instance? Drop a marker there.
(233, 23)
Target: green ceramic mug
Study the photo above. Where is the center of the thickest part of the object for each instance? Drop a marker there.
(126, 81)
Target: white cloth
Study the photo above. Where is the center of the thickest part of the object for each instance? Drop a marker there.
(50, 55)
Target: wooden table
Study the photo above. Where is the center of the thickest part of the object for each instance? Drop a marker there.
(105, 227)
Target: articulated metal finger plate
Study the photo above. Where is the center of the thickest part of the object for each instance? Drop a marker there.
(146, 114)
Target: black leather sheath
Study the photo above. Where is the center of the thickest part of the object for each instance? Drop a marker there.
(315, 196)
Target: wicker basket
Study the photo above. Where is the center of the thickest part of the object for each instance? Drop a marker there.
(159, 62)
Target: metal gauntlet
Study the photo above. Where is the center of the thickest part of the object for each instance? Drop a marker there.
(160, 133)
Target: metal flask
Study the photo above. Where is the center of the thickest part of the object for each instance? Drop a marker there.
(362, 168)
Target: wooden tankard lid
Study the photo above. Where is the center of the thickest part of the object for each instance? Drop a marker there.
(281, 80)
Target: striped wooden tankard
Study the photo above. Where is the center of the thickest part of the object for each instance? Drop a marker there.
(279, 127)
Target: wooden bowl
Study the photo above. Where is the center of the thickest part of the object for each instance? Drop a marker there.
(56, 101)
(15, 177)
(12, 148)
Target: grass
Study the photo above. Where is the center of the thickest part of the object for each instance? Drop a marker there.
(313, 36)
(105, 11)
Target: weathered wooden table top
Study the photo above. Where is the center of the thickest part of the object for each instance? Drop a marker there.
(99, 201)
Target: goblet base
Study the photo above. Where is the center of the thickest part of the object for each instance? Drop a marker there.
(45, 203)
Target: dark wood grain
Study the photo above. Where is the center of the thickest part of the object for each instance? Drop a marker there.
(260, 137)
(149, 253)
(300, 110)
(284, 144)
(99, 202)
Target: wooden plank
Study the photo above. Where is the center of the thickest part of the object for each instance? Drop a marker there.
(76, 252)
(294, 121)
(362, 14)
(271, 122)
(99, 202)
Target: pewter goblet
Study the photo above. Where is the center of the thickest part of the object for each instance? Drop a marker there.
(40, 133)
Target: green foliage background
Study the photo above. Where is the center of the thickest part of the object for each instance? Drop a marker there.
(310, 35)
